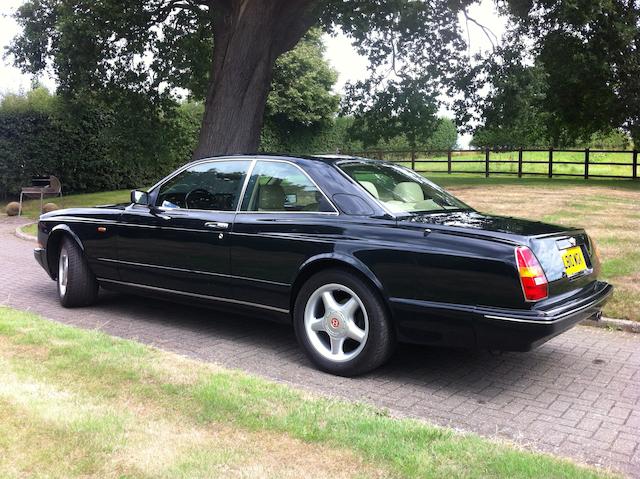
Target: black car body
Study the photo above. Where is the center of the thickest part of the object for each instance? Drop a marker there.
(446, 277)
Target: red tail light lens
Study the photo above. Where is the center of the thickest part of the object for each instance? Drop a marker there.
(532, 277)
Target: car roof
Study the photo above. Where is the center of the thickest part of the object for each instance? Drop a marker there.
(328, 158)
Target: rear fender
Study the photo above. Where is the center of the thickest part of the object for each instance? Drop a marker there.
(335, 260)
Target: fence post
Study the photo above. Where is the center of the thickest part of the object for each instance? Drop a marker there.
(413, 160)
(449, 162)
(551, 162)
(634, 175)
(586, 163)
(520, 163)
(380, 156)
(486, 163)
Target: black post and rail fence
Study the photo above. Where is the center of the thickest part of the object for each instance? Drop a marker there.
(550, 162)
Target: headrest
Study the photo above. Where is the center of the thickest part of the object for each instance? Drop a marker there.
(409, 191)
(370, 187)
(271, 198)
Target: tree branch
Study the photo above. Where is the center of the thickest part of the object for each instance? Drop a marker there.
(486, 30)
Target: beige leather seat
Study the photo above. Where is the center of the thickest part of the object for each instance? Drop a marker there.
(371, 188)
(409, 191)
(271, 198)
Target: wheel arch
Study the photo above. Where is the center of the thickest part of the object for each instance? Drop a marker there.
(58, 233)
(327, 261)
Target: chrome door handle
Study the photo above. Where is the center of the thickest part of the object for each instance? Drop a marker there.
(217, 225)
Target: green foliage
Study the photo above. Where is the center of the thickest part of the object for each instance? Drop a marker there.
(301, 87)
(99, 47)
(512, 111)
(587, 54)
(88, 145)
(611, 140)
(439, 137)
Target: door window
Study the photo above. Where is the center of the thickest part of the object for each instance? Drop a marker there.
(283, 187)
(212, 186)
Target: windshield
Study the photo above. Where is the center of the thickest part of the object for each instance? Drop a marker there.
(401, 190)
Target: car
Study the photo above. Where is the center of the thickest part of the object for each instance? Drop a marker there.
(357, 254)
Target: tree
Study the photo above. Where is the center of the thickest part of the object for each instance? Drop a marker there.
(512, 111)
(225, 50)
(590, 53)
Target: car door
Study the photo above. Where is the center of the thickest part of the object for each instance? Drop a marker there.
(180, 242)
(284, 219)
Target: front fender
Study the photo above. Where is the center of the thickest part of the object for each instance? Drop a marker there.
(52, 246)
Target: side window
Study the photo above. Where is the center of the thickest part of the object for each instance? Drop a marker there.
(208, 186)
(277, 186)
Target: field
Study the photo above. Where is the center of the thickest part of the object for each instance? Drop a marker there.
(463, 162)
(78, 403)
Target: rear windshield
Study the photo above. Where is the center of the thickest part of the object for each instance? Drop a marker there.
(401, 190)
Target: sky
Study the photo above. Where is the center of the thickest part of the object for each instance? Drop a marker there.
(340, 53)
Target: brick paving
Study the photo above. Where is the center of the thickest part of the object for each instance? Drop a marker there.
(577, 396)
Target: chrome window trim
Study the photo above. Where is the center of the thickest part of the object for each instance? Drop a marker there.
(249, 159)
(335, 211)
(392, 165)
(195, 295)
(252, 163)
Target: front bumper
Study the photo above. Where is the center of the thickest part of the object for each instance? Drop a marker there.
(518, 330)
(41, 257)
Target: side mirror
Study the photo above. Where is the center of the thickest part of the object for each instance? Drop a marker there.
(139, 197)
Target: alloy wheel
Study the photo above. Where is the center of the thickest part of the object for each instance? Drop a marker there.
(336, 322)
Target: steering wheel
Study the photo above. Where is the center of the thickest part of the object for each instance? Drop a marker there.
(201, 195)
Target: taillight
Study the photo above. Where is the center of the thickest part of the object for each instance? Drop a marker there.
(532, 277)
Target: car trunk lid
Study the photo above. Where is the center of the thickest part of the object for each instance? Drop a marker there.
(549, 242)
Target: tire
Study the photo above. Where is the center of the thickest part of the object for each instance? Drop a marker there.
(77, 286)
(353, 335)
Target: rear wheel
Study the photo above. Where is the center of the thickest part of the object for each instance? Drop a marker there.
(77, 286)
(342, 323)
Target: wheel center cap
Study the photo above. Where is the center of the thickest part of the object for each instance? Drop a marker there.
(335, 323)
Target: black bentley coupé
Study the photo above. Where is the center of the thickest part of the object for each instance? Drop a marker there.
(358, 254)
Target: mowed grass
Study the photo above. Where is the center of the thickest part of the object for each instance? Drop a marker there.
(31, 208)
(609, 210)
(77, 403)
(30, 229)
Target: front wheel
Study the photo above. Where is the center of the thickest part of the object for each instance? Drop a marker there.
(342, 324)
(77, 286)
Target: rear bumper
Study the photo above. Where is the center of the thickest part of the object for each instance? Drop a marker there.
(426, 322)
(517, 330)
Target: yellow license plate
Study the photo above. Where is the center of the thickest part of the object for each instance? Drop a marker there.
(574, 262)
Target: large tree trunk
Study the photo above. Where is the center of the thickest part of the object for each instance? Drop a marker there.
(249, 35)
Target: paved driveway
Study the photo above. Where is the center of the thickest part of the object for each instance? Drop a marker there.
(576, 396)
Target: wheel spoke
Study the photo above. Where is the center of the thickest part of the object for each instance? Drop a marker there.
(354, 332)
(330, 304)
(336, 345)
(317, 324)
(349, 308)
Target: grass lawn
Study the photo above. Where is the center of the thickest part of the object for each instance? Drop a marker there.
(31, 229)
(78, 403)
(561, 160)
(31, 208)
(608, 209)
